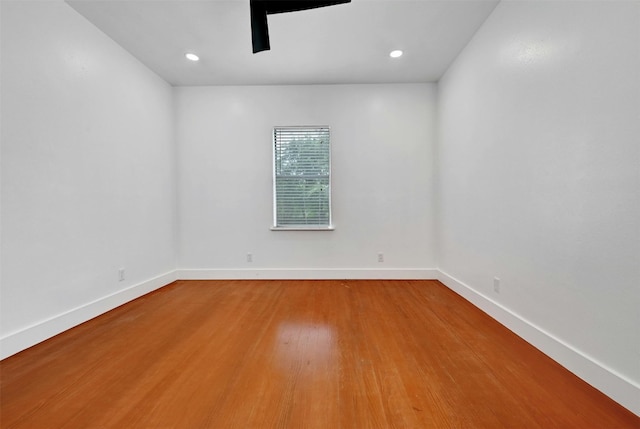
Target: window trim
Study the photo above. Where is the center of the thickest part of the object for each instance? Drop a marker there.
(300, 228)
(274, 226)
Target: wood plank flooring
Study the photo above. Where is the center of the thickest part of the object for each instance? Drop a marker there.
(296, 354)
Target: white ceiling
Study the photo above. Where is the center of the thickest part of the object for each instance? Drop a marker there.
(348, 43)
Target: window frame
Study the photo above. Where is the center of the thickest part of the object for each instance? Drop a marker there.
(275, 226)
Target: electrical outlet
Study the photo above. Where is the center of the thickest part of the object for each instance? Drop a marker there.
(121, 275)
(249, 257)
(380, 257)
(496, 285)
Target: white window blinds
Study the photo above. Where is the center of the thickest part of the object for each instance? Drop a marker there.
(302, 169)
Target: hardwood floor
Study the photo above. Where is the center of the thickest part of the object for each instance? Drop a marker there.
(296, 354)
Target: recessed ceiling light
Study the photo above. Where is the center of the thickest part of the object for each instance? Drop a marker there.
(192, 57)
(395, 54)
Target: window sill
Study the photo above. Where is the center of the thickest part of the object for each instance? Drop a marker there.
(303, 228)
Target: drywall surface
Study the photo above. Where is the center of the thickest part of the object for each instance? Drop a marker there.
(88, 177)
(539, 174)
(382, 177)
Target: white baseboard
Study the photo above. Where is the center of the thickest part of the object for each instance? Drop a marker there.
(619, 388)
(309, 274)
(20, 340)
(622, 390)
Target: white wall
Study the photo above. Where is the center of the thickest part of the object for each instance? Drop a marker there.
(539, 181)
(537, 159)
(382, 141)
(88, 177)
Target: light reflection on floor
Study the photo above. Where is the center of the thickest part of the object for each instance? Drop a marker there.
(305, 345)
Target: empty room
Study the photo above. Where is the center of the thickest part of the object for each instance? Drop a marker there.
(320, 214)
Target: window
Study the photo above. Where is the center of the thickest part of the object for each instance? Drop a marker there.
(301, 178)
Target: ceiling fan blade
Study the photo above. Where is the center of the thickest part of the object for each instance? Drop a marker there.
(259, 27)
(261, 8)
